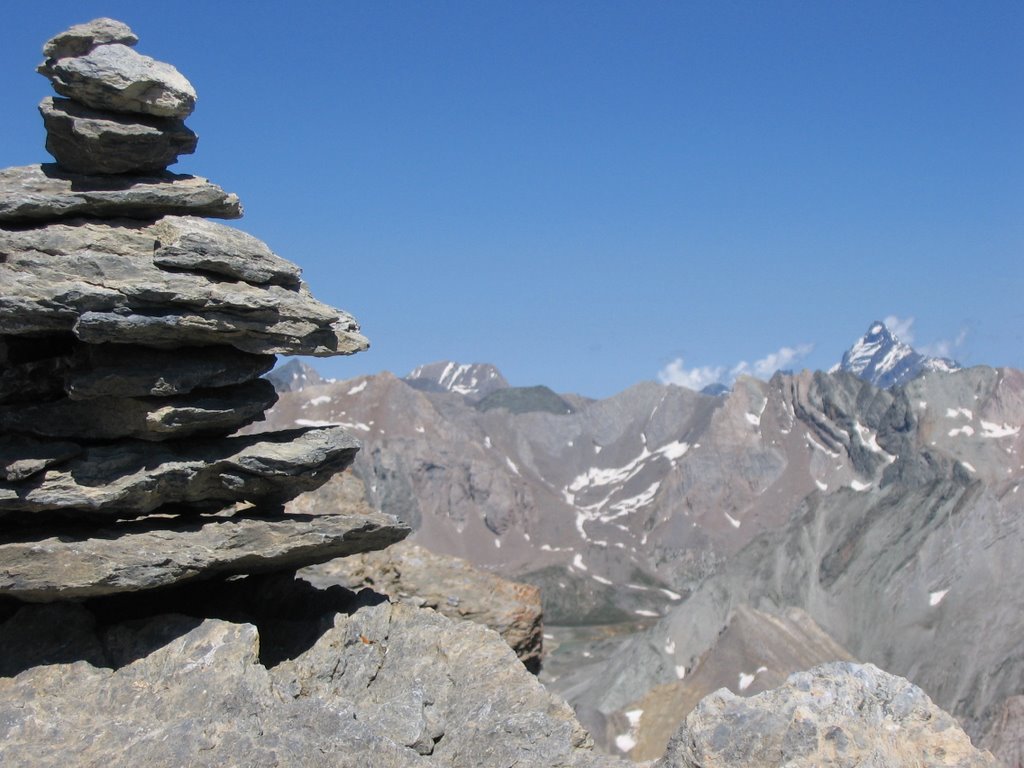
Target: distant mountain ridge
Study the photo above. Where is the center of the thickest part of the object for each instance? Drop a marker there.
(294, 376)
(775, 495)
(882, 359)
(473, 380)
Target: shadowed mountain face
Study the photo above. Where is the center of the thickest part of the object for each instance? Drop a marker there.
(889, 516)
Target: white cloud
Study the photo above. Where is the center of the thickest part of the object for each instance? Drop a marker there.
(691, 378)
(698, 378)
(783, 358)
(944, 347)
(901, 328)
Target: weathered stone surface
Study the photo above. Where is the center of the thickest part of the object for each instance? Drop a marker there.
(839, 715)
(1005, 738)
(22, 457)
(454, 692)
(114, 77)
(157, 552)
(124, 370)
(450, 586)
(377, 685)
(101, 282)
(83, 140)
(192, 244)
(82, 38)
(136, 477)
(757, 651)
(218, 707)
(43, 369)
(211, 412)
(33, 193)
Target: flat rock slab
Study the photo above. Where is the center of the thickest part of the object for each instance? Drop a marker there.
(21, 457)
(158, 552)
(33, 193)
(136, 477)
(125, 370)
(84, 140)
(114, 77)
(102, 282)
(211, 412)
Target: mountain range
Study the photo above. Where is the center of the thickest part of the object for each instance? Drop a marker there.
(683, 540)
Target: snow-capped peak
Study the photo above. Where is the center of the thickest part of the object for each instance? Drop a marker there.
(473, 380)
(881, 358)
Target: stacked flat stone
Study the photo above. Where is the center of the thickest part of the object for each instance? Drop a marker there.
(123, 113)
(133, 337)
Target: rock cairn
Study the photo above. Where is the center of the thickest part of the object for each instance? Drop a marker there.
(133, 337)
(123, 113)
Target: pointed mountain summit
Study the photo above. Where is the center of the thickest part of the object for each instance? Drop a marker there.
(882, 359)
(294, 376)
(473, 380)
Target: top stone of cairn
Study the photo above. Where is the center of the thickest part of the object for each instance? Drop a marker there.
(82, 38)
(93, 64)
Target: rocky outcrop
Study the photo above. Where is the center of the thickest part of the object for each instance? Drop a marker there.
(448, 585)
(837, 715)
(40, 193)
(274, 673)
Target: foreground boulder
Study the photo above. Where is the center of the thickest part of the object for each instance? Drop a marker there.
(274, 673)
(838, 715)
(449, 585)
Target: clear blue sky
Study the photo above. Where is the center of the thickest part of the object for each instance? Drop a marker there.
(584, 192)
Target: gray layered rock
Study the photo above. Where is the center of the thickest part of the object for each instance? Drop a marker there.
(839, 715)
(215, 411)
(450, 586)
(124, 370)
(114, 77)
(143, 554)
(133, 339)
(37, 193)
(133, 478)
(83, 140)
(105, 283)
(22, 457)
